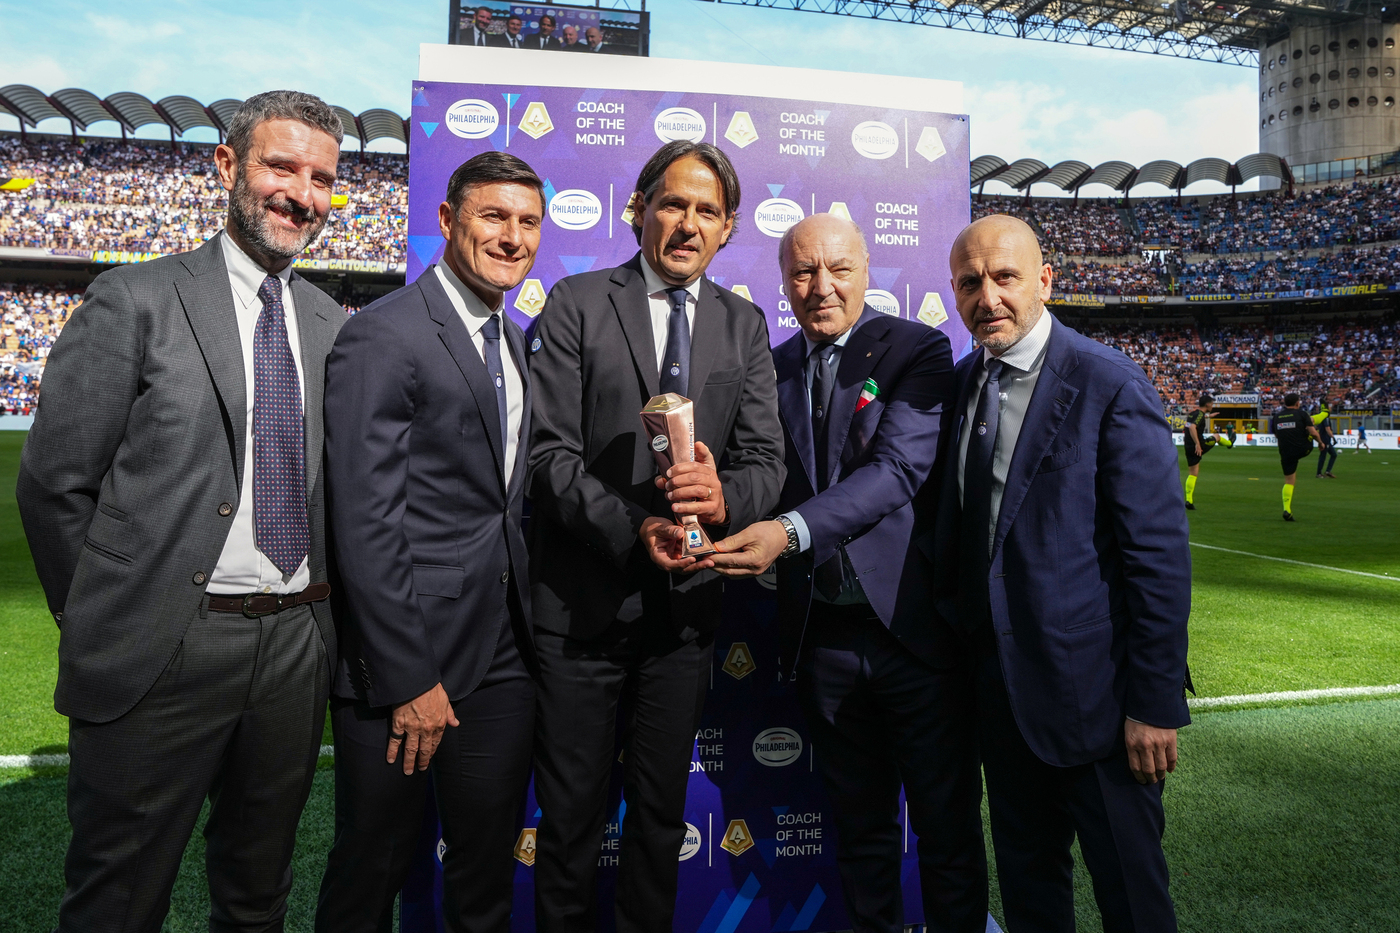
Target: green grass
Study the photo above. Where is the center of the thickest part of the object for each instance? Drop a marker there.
(1279, 818)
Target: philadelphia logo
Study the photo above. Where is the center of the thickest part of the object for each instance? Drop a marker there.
(575, 209)
(777, 747)
(691, 843)
(675, 123)
(775, 215)
(875, 140)
(472, 119)
(882, 301)
(659, 443)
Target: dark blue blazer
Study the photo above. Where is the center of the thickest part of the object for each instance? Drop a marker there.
(426, 535)
(1090, 578)
(880, 458)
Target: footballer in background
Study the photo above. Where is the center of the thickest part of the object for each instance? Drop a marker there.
(1295, 432)
(1199, 441)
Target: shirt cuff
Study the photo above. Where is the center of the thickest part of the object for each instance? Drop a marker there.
(804, 537)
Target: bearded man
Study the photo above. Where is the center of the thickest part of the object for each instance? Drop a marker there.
(171, 492)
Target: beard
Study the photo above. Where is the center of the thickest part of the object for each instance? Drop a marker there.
(249, 215)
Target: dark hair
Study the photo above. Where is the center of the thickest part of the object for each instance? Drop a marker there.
(1205, 400)
(281, 105)
(490, 168)
(1290, 400)
(655, 169)
(552, 20)
(514, 17)
(480, 8)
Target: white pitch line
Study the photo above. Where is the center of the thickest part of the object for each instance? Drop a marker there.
(1300, 563)
(1284, 695)
(61, 761)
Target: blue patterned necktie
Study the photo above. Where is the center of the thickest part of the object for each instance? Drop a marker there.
(491, 332)
(279, 449)
(823, 379)
(976, 531)
(675, 365)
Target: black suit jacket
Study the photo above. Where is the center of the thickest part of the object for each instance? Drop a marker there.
(426, 533)
(539, 40)
(880, 456)
(137, 446)
(593, 366)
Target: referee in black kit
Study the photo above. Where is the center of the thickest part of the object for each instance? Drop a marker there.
(1295, 432)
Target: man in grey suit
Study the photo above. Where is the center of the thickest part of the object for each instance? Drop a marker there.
(171, 492)
(617, 609)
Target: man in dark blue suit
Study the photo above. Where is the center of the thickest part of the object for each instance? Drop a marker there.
(882, 679)
(1061, 551)
(428, 416)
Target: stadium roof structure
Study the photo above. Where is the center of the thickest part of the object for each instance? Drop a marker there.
(132, 111)
(1231, 33)
(1071, 175)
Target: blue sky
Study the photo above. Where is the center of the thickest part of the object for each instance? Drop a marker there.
(1035, 99)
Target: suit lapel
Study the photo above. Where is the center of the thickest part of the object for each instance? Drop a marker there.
(1050, 404)
(455, 337)
(314, 333)
(629, 300)
(858, 360)
(706, 335)
(207, 298)
(789, 360)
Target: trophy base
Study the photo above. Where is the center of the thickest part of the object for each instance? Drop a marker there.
(697, 543)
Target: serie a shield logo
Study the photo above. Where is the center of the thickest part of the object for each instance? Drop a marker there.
(739, 662)
(525, 846)
(737, 838)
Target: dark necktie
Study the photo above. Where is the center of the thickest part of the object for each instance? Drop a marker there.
(822, 381)
(975, 532)
(491, 334)
(675, 364)
(280, 525)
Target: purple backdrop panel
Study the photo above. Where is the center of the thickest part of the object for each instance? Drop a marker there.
(902, 175)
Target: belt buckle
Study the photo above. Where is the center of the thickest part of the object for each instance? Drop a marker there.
(251, 614)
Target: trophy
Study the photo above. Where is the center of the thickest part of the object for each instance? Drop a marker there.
(670, 421)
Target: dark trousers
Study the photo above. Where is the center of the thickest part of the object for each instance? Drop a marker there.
(661, 682)
(1327, 452)
(1038, 809)
(235, 717)
(880, 717)
(479, 773)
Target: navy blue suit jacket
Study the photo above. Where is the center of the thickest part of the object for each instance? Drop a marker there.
(1090, 578)
(880, 457)
(426, 534)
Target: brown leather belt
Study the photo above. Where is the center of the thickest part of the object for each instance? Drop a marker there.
(254, 605)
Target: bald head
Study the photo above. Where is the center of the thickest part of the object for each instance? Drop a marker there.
(1000, 280)
(826, 269)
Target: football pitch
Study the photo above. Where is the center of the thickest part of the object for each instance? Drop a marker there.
(1282, 815)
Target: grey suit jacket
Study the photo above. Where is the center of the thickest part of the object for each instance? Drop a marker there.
(593, 367)
(137, 446)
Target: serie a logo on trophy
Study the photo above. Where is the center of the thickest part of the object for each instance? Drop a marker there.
(670, 420)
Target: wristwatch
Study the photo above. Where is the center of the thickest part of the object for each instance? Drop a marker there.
(793, 545)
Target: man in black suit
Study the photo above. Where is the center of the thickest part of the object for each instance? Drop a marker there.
(882, 680)
(571, 42)
(1061, 551)
(617, 609)
(479, 32)
(594, 37)
(544, 39)
(513, 39)
(183, 553)
(427, 422)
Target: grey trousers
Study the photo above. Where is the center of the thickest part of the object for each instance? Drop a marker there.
(236, 717)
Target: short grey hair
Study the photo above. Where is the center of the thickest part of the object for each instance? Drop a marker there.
(281, 105)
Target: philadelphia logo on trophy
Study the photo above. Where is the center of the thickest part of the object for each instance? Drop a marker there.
(691, 843)
(875, 140)
(675, 123)
(472, 119)
(777, 747)
(575, 209)
(775, 215)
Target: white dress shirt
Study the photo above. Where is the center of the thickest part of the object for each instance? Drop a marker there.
(661, 308)
(242, 568)
(473, 312)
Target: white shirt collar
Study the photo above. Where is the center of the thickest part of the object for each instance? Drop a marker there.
(244, 274)
(470, 308)
(839, 341)
(656, 285)
(1024, 352)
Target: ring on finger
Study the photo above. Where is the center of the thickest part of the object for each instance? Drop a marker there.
(707, 492)
(398, 736)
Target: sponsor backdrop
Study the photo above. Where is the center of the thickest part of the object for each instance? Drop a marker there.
(760, 852)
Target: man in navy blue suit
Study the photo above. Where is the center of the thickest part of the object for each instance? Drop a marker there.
(883, 681)
(427, 427)
(1061, 551)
